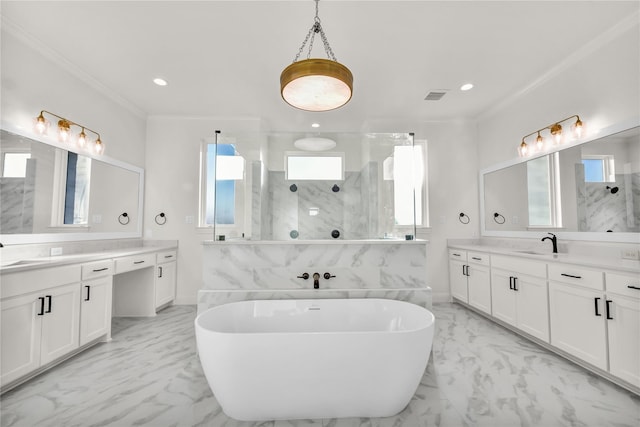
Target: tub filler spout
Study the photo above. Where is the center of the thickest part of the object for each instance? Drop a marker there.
(316, 280)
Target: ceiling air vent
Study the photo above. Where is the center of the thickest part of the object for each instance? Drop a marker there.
(435, 95)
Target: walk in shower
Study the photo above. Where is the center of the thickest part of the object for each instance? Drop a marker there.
(293, 186)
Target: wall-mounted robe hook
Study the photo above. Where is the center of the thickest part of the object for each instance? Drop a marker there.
(161, 218)
(335, 188)
(463, 218)
(124, 218)
(498, 219)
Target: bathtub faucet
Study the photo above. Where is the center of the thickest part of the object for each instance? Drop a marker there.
(316, 280)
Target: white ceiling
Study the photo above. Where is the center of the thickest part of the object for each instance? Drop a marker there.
(224, 58)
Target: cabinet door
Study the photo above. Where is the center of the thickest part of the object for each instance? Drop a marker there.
(95, 309)
(165, 283)
(624, 338)
(503, 298)
(532, 306)
(60, 323)
(458, 280)
(20, 339)
(578, 322)
(479, 285)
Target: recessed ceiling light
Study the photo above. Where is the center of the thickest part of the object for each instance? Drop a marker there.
(466, 86)
(315, 125)
(159, 81)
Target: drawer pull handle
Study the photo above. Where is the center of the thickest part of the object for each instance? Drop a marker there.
(476, 258)
(515, 283)
(596, 300)
(49, 302)
(138, 262)
(456, 254)
(571, 275)
(95, 270)
(633, 287)
(511, 282)
(41, 306)
(168, 256)
(608, 307)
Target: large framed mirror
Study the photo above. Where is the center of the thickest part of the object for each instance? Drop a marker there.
(51, 193)
(588, 190)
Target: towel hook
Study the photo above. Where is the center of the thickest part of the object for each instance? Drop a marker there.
(462, 217)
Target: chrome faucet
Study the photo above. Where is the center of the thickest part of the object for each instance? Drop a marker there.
(316, 280)
(554, 241)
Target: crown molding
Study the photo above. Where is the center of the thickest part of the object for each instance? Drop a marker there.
(583, 52)
(55, 57)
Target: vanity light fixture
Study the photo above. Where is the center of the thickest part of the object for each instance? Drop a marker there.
(316, 84)
(556, 133)
(41, 126)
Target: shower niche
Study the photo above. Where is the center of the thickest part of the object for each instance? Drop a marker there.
(330, 186)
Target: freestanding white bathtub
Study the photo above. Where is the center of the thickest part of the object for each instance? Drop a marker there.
(318, 358)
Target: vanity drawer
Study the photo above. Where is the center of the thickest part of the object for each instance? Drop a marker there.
(97, 269)
(577, 275)
(19, 283)
(458, 254)
(134, 262)
(479, 258)
(166, 256)
(627, 284)
(520, 265)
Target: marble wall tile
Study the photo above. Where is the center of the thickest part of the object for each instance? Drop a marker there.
(328, 206)
(284, 207)
(276, 266)
(601, 210)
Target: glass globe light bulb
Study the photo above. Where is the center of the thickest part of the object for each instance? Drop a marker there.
(82, 138)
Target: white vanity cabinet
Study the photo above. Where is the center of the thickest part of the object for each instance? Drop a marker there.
(95, 309)
(577, 311)
(519, 294)
(165, 278)
(40, 319)
(458, 274)
(469, 277)
(622, 312)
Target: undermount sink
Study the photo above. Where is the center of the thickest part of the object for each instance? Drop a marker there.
(24, 262)
(531, 253)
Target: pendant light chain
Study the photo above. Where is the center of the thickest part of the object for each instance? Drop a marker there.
(316, 28)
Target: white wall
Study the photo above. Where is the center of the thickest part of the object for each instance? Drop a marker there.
(599, 83)
(34, 78)
(172, 173)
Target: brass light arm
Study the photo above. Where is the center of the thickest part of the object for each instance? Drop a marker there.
(65, 121)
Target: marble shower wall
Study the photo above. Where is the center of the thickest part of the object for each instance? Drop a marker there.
(314, 210)
(601, 210)
(18, 197)
(234, 271)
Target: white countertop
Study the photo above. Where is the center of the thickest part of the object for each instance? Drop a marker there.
(565, 258)
(54, 261)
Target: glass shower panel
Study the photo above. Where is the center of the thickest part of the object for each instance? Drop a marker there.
(364, 187)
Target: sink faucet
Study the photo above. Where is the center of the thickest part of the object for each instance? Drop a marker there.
(554, 241)
(316, 280)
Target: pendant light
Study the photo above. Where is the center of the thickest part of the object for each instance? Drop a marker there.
(316, 84)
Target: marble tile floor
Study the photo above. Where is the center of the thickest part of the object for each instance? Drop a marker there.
(480, 374)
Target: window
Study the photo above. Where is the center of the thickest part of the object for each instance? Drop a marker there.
(71, 189)
(543, 188)
(325, 166)
(14, 165)
(599, 168)
(221, 168)
(406, 168)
